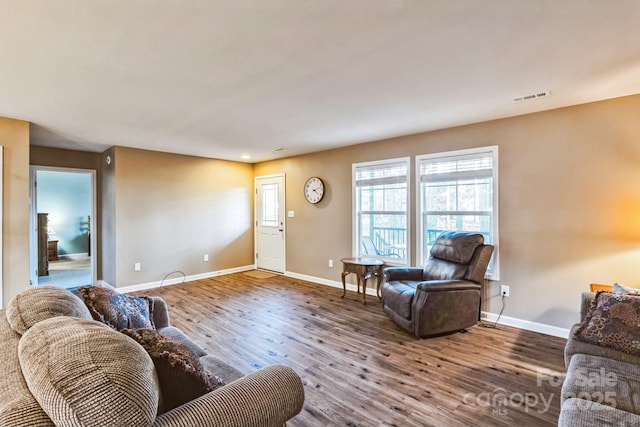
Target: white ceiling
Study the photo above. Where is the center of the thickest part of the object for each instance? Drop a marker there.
(221, 79)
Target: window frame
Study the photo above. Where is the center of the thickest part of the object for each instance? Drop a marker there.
(494, 272)
(355, 239)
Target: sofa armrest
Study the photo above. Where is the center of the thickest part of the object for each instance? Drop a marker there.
(447, 285)
(402, 273)
(585, 303)
(267, 397)
(160, 313)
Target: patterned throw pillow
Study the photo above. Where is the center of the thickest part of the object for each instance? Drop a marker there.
(624, 290)
(613, 321)
(181, 375)
(117, 310)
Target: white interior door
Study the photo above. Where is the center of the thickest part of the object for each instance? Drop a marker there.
(270, 223)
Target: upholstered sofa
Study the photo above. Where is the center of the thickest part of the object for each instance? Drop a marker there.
(602, 384)
(61, 367)
(444, 295)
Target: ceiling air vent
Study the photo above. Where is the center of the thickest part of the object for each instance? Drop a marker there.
(529, 97)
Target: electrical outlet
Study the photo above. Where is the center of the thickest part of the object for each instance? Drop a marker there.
(136, 266)
(206, 257)
(330, 263)
(504, 290)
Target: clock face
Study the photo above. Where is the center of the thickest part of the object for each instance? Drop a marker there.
(314, 189)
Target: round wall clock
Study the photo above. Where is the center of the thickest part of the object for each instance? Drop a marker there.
(314, 189)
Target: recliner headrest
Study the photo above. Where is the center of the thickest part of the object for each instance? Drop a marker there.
(456, 246)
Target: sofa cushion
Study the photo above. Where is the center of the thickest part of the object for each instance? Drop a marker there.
(223, 370)
(118, 310)
(603, 380)
(178, 335)
(84, 373)
(43, 302)
(456, 246)
(612, 322)
(398, 295)
(582, 413)
(182, 377)
(18, 407)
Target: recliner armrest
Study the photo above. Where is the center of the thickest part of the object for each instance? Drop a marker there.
(267, 397)
(447, 285)
(402, 273)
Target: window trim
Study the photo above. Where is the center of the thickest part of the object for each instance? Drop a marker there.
(355, 241)
(493, 149)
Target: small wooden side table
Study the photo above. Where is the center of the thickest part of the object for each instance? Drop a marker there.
(364, 268)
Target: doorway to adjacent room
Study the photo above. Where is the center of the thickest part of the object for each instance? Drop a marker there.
(62, 250)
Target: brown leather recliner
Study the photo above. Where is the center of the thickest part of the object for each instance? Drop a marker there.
(445, 295)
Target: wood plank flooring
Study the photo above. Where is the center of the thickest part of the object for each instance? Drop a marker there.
(358, 367)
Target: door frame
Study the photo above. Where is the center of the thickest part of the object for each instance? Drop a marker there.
(256, 216)
(33, 219)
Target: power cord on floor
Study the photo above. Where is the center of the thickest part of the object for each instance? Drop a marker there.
(495, 324)
(184, 277)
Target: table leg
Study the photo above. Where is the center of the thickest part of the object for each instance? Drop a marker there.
(378, 286)
(344, 285)
(364, 289)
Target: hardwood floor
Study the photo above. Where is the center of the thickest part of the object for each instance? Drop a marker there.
(359, 368)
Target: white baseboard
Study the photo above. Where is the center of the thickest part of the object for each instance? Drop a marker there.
(371, 283)
(181, 279)
(528, 325)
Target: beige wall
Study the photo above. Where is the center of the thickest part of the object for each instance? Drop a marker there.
(107, 242)
(569, 202)
(172, 209)
(165, 211)
(14, 137)
(55, 157)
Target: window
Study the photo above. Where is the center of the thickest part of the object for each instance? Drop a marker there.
(458, 191)
(269, 205)
(380, 210)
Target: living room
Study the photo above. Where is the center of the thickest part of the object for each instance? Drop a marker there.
(553, 165)
(568, 198)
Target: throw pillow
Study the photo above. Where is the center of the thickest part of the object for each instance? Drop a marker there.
(118, 310)
(624, 290)
(612, 322)
(181, 375)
